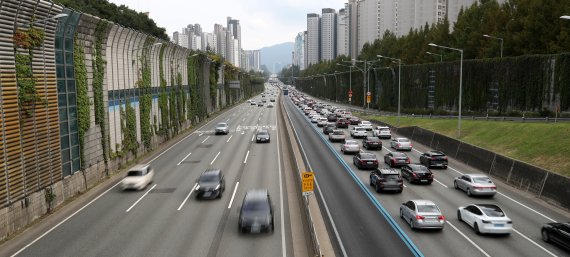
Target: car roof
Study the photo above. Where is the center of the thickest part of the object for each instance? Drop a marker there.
(477, 175)
(388, 171)
(423, 202)
(350, 142)
(436, 152)
(222, 123)
(139, 167)
(210, 171)
(398, 154)
(256, 194)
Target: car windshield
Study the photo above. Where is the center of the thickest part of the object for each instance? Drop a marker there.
(365, 122)
(256, 206)
(368, 156)
(207, 178)
(359, 129)
(373, 139)
(221, 125)
(403, 140)
(385, 130)
(135, 173)
(492, 210)
(428, 208)
(391, 177)
(338, 133)
(436, 154)
(482, 180)
(350, 142)
(399, 155)
(262, 133)
(421, 169)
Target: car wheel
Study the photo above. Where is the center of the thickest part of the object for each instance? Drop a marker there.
(444, 167)
(476, 228)
(412, 224)
(377, 187)
(401, 214)
(468, 192)
(459, 215)
(455, 185)
(545, 235)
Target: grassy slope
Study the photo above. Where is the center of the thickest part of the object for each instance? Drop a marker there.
(540, 144)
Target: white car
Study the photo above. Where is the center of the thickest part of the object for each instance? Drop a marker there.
(138, 177)
(358, 132)
(270, 105)
(322, 121)
(315, 118)
(382, 132)
(401, 143)
(366, 124)
(485, 218)
(350, 146)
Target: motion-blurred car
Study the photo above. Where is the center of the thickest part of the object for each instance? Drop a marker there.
(256, 212)
(332, 117)
(337, 136)
(434, 159)
(322, 121)
(371, 143)
(475, 184)
(222, 128)
(354, 120)
(262, 136)
(558, 233)
(252, 103)
(270, 105)
(138, 177)
(350, 146)
(365, 160)
(384, 179)
(485, 218)
(422, 214)
(365, 124)
(395, 159)
(382, 132)
(358, 132)
(416, 173)
(401, 143)
(210, 184)
(315, 118)
(260, 104)
(328, 128)
(342, 123)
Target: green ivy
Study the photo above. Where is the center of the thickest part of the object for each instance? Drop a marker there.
(145, 100)
(193, 99)
(129, 128)
(181, 99)
(163, 98)
(83, 115)
(173, 105)
(27, 92)
(98, 76)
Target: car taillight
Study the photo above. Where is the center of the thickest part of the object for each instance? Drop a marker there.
(441, 217)
(408, 160)
(445, 158)
(398, 145)
(493, 187)
(414, 175)
(486, 221)
(375, 161)
(393, 159)
(362, 161)
(420, 217)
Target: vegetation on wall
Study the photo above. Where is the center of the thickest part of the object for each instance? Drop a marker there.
(173, 103)
(129, 128)
(145, 99)
(163, 97)
(181, 101)
(98, 76)
(27, 93)
(83, 115)
(193, 99)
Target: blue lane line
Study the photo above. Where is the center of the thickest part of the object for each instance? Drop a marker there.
(365, 189)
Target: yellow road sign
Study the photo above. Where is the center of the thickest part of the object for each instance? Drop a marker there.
(308, 181)
(368, 98)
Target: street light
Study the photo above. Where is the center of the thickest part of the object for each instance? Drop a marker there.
(460, 84)
(55, 17)
(349, 82)
(498, 38)
(399, 61)
(440, 56)
(566, 17)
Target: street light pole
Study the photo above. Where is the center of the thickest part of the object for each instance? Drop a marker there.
(399, 61)
(566, 17)
(498, 38)
(460, 84)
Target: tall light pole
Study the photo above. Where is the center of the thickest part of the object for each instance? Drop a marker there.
(349, 81)
(566, 17)
(440, 56)
(497, 38)
(460, 84)
(55, 17)
(399, 61)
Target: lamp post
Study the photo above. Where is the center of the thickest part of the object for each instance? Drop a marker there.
(399, 61)
(497, 38)
(55, 17)
(460, 84)
(440, 56)
(349, 81)
(566, 17)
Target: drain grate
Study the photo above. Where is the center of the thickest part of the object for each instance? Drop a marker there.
(162, 190)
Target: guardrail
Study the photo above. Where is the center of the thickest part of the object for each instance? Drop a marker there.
(307, 212)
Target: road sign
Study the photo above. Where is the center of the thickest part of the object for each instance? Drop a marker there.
(350, 91)
(368, 99)
(350, 99)
(308, 182)
(368, 93)
(349, 95)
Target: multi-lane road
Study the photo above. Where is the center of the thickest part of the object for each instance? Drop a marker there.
(362, 231)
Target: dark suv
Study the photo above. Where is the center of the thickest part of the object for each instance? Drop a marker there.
(328, 128)
(332, 117)
(385, 179)
(364, 160)
(342, 123)
(211, 184)
(434, 159)
(256, 213)
(417, 173)
(372, 143)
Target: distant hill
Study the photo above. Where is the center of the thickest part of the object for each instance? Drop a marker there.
(276, 57)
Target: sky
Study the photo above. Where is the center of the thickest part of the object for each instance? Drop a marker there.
(263, 22)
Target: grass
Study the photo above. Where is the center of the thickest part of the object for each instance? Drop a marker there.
(545, 145)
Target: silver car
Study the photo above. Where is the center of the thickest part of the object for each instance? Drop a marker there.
(420, 214)
(475, 184)
(222, 128)
(350, 146)
(337, 136)
(401, 143)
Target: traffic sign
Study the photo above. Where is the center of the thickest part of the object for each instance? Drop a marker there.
(308, 182)
(368, 99)
(349, 95)
(350, 91)
(368, 93)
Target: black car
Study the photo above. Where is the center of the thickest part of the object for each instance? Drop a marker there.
(417, 173)
(329, 128)
(396, 159)
(364, 160)
(558, 233)
(211, 184)
(332, 117)
(262, 136)
(354, 120)
(372, 143)
(386, 180)
(434, 159)
(256, 212)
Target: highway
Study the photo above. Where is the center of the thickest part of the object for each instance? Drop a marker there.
(363, 232)
(166, 219)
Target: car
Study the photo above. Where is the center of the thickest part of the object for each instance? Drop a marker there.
(249, 100)
(270, 105)
(341, 123)
(338, 112)
(332, 117)
(384, 179)
(358, 132)
(350, 146)
(365, 160)
(558, 233)
(307, 110)
(417, 173)
(422, 214)
(382, 132)
(252, 103)
(365, 124)
(210, 184)
(401, 143)
(315, 118)
(260, 104)
(337, 136)
(321, 122)
(485, 218)
(222, 128)
(396, 159)
(475, 184)
(354, 120)
(434, 159)
(256, 212)
(328, 128)
(371, 143)
(264, 100)
(138, 177)
(272, 100)
(262, 136)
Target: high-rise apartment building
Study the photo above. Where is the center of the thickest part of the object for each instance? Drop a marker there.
(209, 42)
(328, 34)
(221, 43)
(342, 32)
(353, 28)
(313, 38)
(368, 21)
(299, 51)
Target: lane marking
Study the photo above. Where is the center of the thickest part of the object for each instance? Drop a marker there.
(200, 134)
(183, 159)
(64, 220)
(245, 160)
(188, 196)
(468, 239)
(535, 243)
(229, 119)
(205, 139)
(283, 243)
(531, 209)
(440, 183)
(215, 158)
(233, 195)
(146, 193)
(229, 138)
(252, 137)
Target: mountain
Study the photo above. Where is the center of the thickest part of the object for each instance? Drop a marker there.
(276, 57)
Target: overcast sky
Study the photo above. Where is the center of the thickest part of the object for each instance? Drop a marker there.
(263, 22)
